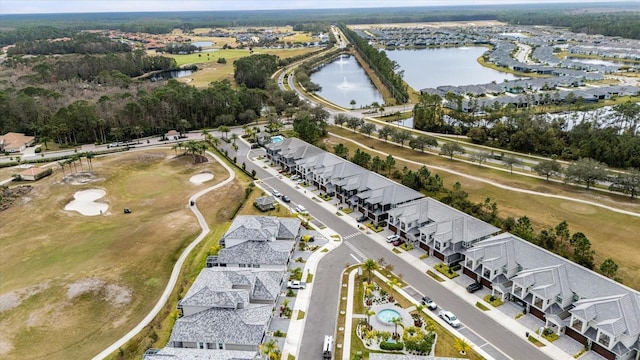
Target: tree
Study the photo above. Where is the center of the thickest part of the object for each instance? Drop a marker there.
(449, 149)
(401, 136)
(389, 164)
(361, 158)
(62, 164)
(377, 164)
(548, 168)
(587, 171)
(354, 123)
(307, 129)
(462, 346)
(370, 265)
(367, 128)
(479, 157)
(341, 151)
(582, 252)
(224, 130)
(609, 268)
(340, 119)
(422, 141)
(511, 161)
(352, 103)
(386, 132)
(627, 182)
(369, 313)
(90, 155)
(396, 321)
(234, 137)
(270, 349)
(524, 229)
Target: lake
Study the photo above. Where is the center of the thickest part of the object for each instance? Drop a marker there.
(343, 80)
(430, 68)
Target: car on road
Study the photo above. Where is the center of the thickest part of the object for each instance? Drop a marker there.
(285, 198)
(301, 209)
(295, 284)
(362, 218)
(392, 238)
(429, 303)
(474, 287)
(398, 242)
(449, 318)
(276, 193)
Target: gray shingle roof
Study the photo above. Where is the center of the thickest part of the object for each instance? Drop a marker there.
(600, 298)
(221, 287)
(257, 252)
(230, 326)
(263, 228)
(170, 353)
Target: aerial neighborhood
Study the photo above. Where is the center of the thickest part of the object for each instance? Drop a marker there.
(229, 181)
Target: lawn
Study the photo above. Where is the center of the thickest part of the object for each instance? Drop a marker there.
(78, 283)
(611, 234)
(210, 70)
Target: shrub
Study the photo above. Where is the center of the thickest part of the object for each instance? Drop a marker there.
(391, 345)
(456, 267)
(38, 150)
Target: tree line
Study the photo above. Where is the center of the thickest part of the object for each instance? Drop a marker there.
(79, 43)
(380, 63)
(612, 140)
(559, 240)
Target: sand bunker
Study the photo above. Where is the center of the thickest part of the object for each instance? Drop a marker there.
(200, 178)
(85, 204)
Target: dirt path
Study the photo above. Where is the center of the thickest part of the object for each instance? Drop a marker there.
(496, 184)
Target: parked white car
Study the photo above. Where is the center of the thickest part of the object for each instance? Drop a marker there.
(295, 284)
(392, 238)
(301, 209)
(449, 318)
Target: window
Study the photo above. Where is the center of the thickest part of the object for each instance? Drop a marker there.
(220, 346)
(470, 263)
(604, 339)
(200, 345)
(242, 265)
(437, 245)
(538, 302)
(517, 290)
(486, 273)
(559, 299)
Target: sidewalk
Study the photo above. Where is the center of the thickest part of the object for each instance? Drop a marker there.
(295, 330)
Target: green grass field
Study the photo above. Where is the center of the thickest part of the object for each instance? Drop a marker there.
(611, 234)
(210, 70)
(78, 283)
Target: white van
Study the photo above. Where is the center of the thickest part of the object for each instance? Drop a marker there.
(327, 347)
(301, 209)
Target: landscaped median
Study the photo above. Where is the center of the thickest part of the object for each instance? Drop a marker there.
(445, 270)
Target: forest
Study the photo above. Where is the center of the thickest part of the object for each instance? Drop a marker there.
(616, 144)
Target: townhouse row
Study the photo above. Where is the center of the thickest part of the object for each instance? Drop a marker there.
(598, 312)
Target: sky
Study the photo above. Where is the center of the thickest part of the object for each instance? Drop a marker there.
(83, 6)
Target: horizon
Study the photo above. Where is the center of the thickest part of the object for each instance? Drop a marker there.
(41, 7)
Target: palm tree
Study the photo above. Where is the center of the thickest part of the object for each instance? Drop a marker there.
(396, 321)
(234, 137)
(370, 265)
(270, 349)
(369, 313)
(62, 164)
(462, 346)
(204, 133)
(90, 155)
(393, 282)
(44, 139)
(224, 130)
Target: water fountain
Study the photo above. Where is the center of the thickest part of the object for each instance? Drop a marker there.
(345, 85)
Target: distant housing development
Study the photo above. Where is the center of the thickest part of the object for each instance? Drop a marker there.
(596, 311)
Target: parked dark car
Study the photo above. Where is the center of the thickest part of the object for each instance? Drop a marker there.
(428, 303)
(285, 198)
(362, 218)
(398, 242)
(474, 287)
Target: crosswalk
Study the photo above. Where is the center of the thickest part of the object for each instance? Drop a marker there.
(351, 236)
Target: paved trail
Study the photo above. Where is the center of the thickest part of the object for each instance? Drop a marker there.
(176, 268)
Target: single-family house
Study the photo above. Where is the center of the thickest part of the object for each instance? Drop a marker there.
(15, 142)
(227, 309)
(257, 241)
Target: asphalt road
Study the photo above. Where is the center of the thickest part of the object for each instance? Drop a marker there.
(323, 311)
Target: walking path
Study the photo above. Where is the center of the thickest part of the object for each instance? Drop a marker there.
(496, 184)
(176, 268)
